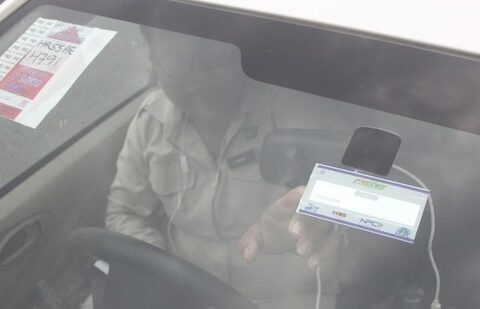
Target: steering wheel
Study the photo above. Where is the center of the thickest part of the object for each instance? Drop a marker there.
(144, 276)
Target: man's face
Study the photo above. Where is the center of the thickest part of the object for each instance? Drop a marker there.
(197, 71)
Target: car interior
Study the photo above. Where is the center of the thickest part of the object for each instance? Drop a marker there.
(328, 82)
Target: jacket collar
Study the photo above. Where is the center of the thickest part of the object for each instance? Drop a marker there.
(185, 137)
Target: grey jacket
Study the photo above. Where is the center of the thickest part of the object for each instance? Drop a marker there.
(165, 168)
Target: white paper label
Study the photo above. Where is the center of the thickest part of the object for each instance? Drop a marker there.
(41, 66)
(364, 202)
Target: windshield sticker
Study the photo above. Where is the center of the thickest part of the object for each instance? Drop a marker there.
(41, 66)
(364, 202)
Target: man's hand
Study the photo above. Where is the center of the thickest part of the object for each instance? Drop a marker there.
(270, 233)
(280, 230)
(316, 241)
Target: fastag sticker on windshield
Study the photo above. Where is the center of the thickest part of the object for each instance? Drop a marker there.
(364, 202)
(44, 62)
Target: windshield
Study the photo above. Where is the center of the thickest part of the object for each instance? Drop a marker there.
(296, 167)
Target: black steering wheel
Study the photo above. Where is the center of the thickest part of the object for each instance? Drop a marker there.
(144, 276)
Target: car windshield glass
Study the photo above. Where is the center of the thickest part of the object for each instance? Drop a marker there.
(258, 163)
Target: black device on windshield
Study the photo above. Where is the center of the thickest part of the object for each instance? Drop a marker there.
(372, 150)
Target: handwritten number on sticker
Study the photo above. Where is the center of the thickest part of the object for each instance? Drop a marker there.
(57, 47)
(44, 58)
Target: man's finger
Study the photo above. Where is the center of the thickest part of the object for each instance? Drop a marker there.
(304, 247)
(296, 227)
(250, 243)
(304, 226)
(286, 205)
(250, 252)
(327, 249)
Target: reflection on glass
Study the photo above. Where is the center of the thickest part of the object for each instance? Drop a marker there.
(188, 181)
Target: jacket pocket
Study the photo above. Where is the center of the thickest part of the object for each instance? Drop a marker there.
(167, 177)
(248, 172)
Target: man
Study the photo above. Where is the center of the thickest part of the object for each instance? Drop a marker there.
(188, 179)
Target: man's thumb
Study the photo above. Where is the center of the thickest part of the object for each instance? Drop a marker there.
(250, 243)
